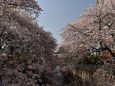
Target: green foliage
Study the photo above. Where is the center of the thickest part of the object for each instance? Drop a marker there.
(96, 59)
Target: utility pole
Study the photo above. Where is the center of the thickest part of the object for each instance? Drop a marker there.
(97, 1)
(100, 1)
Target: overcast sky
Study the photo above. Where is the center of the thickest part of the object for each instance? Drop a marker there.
(58, 13)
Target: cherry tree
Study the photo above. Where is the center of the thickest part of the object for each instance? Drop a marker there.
(26, 50)
(94, 30)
